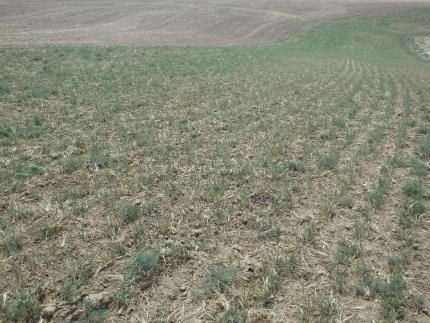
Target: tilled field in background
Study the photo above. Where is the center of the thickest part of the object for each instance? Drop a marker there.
(227, 22)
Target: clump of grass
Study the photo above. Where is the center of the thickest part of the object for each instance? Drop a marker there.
(292, 265)
(424, 147)
(418, 168)
(3, 224)
(71, 193)
(401, 137)
(329, 161)
(309, 235)
(235, 313)
(339, 122)
(70, 164)
(338, 278)
(38, 120)
(271, 281)
(347, 250)
(123, 296)
(413, 188)
(29, 170)
(46, 231)
(417, 208)
(375, 135)
(138, 232)
(390, 291)
(90, 314)
(21, 213)
(30, 132)
(83, 272)
(418, 302)
(296, 166)
(361, 228)
(144, 140)
(273, 233)
(129, 212)
(23, 307)
(67, 290)
(423, 129)
(12, 244)
(398, 264)
(397, 162)
(143, 264)
(118, 248)
(99, 159)
(393, 300)
(328, 135)
(377, 196)
(216, 279)
(410, 122)
(320, 308)
(6, 132)
(411, 211)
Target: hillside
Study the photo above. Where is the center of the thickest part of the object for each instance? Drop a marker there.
(201, 22)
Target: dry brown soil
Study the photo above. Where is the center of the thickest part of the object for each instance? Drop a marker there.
(223, 22)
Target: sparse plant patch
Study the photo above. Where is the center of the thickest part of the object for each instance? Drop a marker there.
(338, 122)
(235, 312)
(390, 290)
(92, 314)
(346, 251)
(70, 164)
(129, 212)
(413, 189)
(67, 290)
(144, 264)
(375, 135)
(271, 282)
(217, 279)
(320, 308)
(424, 147)
(273, 233)
(309, 235)
(393, 298)
(22, 307)
(124, 295)
(46, 231)
(339, 279)
(12, 244)
(118, 248)
(99, 159)
(418, 168)
(21, 213)
(398, 264)
(329, 161)
(296, 166)
(423, 129)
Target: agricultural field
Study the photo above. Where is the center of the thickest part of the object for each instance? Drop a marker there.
(215, 22)
(283, 182)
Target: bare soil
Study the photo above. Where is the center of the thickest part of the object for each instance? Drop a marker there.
(216, 22)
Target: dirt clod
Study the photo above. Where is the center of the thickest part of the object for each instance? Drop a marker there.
(100, 300)
(48, 311)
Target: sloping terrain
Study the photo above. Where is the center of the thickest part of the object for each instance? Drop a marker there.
(228, 22)
(271, 183)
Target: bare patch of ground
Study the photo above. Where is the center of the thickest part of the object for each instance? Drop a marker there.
(225, 22)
